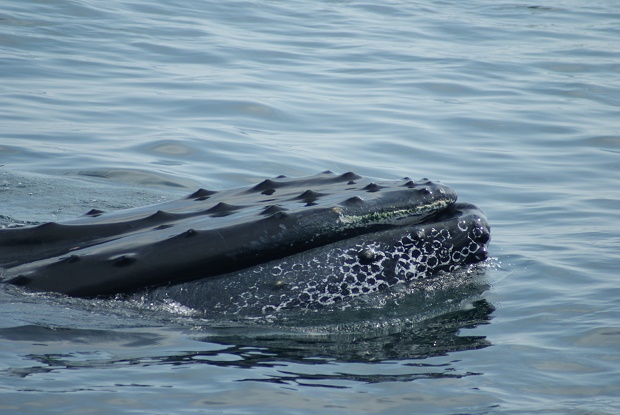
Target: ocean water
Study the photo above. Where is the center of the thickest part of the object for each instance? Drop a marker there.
(515, 104)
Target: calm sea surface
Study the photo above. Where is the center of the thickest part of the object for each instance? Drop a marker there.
(515, 104)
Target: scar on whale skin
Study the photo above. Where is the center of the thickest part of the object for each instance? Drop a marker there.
(212, 233)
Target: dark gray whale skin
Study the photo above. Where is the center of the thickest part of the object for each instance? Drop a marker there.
(211, 233)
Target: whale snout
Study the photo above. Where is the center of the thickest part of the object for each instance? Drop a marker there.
(479, 236)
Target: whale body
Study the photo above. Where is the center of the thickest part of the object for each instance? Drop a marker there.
(330, 236)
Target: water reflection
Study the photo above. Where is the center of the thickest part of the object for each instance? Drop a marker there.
(397, 340)
(273, 356)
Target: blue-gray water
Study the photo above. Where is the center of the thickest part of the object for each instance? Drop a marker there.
(515, 104)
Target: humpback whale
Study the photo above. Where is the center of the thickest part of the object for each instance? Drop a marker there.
(310, 241)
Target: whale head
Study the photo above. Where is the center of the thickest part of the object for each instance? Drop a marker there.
(212, 233)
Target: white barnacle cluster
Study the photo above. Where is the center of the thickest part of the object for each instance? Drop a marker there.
(418, 257)
(345, 273)
(371, 267)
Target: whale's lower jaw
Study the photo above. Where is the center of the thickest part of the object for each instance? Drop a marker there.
(290, 221)
(335, 274)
